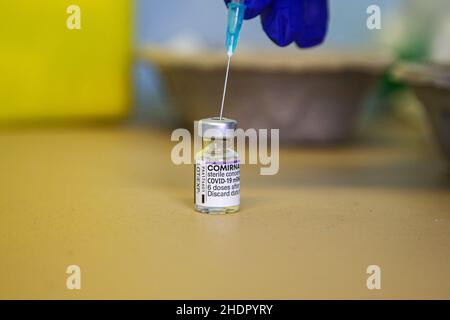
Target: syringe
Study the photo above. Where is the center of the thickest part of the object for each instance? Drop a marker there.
(236, 10)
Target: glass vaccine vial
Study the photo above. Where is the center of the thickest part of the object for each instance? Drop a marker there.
(217, 168)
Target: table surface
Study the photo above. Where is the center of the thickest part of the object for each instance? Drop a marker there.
(109, 200)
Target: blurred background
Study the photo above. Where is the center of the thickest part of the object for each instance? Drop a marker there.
(143, 62)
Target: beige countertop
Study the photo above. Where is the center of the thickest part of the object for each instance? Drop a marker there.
(109, 200)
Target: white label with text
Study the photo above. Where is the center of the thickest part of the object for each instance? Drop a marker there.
(217, 184)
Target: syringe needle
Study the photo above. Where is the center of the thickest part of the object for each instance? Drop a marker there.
(225, 86)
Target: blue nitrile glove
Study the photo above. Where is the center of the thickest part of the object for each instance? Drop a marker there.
(304, 22)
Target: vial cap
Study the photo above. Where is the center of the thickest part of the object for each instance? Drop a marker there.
(217, 128)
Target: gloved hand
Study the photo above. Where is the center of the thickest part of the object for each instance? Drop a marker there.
(304, 22)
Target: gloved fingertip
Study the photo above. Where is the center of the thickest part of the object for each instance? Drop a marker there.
(314, 25)
(279, 41)
(255, 8)
(275, 24)
(249, 14)
(310, 36)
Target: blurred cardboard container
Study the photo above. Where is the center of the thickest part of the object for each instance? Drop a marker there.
(48, 71)
(314, 99)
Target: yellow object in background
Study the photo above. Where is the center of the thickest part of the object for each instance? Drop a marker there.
(49, 71)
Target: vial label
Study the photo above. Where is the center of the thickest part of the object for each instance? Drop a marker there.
(217, 184)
